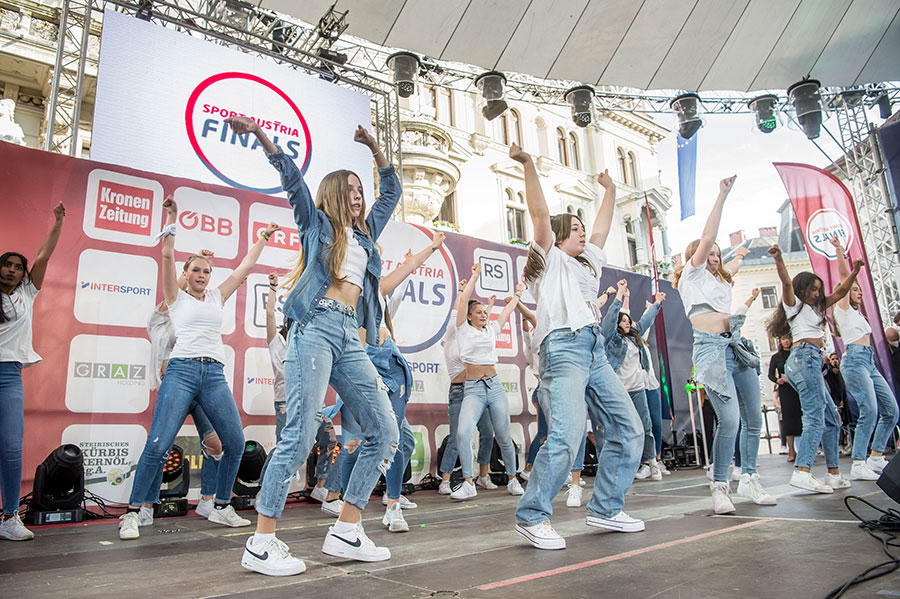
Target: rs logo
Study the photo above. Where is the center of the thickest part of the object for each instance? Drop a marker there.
(207, 224)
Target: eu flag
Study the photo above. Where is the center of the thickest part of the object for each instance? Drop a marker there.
(687, 173)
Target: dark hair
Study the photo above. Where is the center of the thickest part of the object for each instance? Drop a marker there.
(632, 332)
(780, 325)
(472, 304)
(561, 224)
(6, 256)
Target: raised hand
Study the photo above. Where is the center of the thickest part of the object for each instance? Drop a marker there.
(610, 290)
(520, 288)
(271, 229)
(518, 154)
(170, 206)
(754, 293)
(273, 279)
(438, 240)
(660, 297)
(775, 252)
(476, 269)
(605, 180)
(59, 211)
(858, 264)
(726, 184)
(461, 285)
(741, 252)
(623, 284)
(365, 138)
(242, 124)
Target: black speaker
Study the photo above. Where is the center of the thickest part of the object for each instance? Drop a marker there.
(889, 481)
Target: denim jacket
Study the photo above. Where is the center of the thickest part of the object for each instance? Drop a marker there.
(709, 355)
(316, 233)
(616, 344)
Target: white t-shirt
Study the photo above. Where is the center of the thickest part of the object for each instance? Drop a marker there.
(355, 260)
(15, 332)
(478, 347)
(454, 363)
(198, 326)
(277, 348)
(566, 292)
(807, 324)
(703, 292)
(631, 374)
(162, 340)
(852, 325)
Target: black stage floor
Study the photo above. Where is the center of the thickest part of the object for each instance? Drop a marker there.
(802, 547)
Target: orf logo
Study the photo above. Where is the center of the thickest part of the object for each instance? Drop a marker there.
(824, 224)
(224, 152)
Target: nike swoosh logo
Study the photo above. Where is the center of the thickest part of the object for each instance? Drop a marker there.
(264, 556)
(355, 543)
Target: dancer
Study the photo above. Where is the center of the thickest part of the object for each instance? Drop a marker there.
(791, 425)
(194, 373)
(802, 316)
(563, 272)
(722, 366)
(654, 403)
(19, 288)
(872, 393)
(476, 336)
(333, 292)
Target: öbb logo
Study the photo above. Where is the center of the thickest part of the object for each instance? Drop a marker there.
(190, 220)
(824, 224)
(224, 152)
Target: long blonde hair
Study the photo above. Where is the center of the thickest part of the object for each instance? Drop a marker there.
(561, 224)
(689, 252)
(331, 198)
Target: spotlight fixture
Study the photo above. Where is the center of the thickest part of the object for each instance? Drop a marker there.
(763, 108)
(807, 102)
(687, 110)
(176, 481)
(581, 99)
(247, 483)
(59, 487)
(491, 86)
(145, 10)
(405, 67)
(884, 106)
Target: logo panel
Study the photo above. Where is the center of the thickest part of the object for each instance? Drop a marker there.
(259, 382)
(115, 289)
(258, 291)
(281, 249)
(111, 453)
(122, 208)
(207, 220)
(496, 274)
(108, 375)
(510, 378)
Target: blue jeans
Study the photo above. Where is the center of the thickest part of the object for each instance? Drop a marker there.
(209, 470)
(350, 429)
(639, 399)
(187, 381)
(821, 423)
(328, 351)
(575, 370)
(874, 397)
(480, 396)
(280, 419)
(12, 430)
(485, 431)
(543, 430)
(654, 404)
(327, 465)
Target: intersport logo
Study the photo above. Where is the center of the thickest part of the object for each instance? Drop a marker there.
(223, 151)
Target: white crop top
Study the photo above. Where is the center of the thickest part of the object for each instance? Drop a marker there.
(15, 332)
(852, 325)
(355, 260)
(478, 347)
(455, 366)
(198, 326)
(805, 321)
(703, 292)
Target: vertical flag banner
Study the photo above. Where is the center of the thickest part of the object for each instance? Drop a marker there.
(687, 173)
(825, 209)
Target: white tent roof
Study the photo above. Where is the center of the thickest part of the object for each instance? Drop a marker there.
(736, 45)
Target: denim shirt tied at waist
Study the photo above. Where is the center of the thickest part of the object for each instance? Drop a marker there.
(381, 356)
(316, 233)
(616, 344)
(709, 355)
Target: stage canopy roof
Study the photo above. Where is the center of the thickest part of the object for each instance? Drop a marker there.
(695, 45)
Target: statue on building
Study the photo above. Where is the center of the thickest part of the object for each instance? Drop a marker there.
(10, 130)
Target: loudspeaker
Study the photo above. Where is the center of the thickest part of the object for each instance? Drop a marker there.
(889, 481)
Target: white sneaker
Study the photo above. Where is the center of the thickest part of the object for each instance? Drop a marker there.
(664, 470)
(204, 507)
(394, 520)
(721, 497)
(405, 503)
(145, 516)
(541, 536)
(573, 496)
(734, 474)
(876, 463)
(569, 479)
(128, 526)
(485, 482)
(464, 491)
(525, 474)
(354, 545)
(808, 482)
(319, 494)
(333, 507)
(861, 471)
(514, 487)
(837, 481)
(750, 487)
(272, 558)
(643, 472)
(12, 529)
(228, 517)
(444, 488)
(655, 470)
(621, 522)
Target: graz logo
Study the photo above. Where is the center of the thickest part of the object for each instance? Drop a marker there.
(130, 373)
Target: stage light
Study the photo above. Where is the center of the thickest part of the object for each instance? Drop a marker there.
(491, 86)
(764, 108)
(687, 110)
(235, 13)
(145, 10)
(884, 106)
(247, 483)
(807, 103)
(59, 487)
(581, 99)
(405, 68)
(331, 58)
(176, 480)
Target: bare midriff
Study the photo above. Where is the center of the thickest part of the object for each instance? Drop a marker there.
(814, 340)
(480, 371)
(345, 293)
(864, 340)
(711, 322)
(459, 379)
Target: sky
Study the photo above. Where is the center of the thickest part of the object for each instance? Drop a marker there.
(729, 144)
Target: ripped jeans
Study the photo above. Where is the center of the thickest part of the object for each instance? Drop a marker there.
(351, 436)
(328, 352)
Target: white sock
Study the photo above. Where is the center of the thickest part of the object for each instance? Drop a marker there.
(344, 527)
(260, 538)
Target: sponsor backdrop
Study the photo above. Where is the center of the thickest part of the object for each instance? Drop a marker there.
(103, 281)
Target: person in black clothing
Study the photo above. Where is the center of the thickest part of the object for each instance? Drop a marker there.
(893, 339)
(791, 414)
(831, 370)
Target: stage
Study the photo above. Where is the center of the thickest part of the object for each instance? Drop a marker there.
(803, 547)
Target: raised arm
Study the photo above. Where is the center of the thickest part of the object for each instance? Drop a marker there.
(611, 318)
(236, 278)
(734, 264)
(843, 269)
(787, 288)
(603, 220)
(169, 278)
(846, 283)
(711, 229)
(604, 297)
(271, 326)
(650, 313)
(392, 280)
(39, 268)
(389, 188)
(534, 196)
(526, 313)
(510, 306)
(466, 295)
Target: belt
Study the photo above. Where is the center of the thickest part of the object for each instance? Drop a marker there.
(330, 304)
(205, 360)
(726, 334)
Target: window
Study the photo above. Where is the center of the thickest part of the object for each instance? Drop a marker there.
(632, 252)
(521, 197)
(500, 129)
(580, 214)
(543, 142)
(773, 344)
(443, 105)
(769, 297)
(515, 223)
(632, 169)
(448, 209)
(562, 147)
(575, 160)
(570, 210)
(620, 153)
(514, 129)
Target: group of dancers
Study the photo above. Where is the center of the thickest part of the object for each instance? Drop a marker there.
(338, 332)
